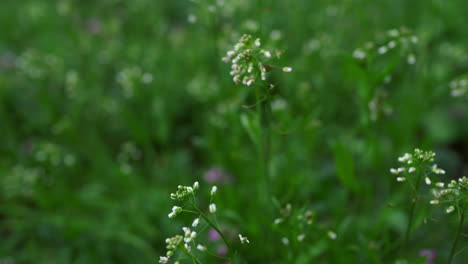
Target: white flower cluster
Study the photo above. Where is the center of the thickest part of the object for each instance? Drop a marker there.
(394, 38)
(298, 224)
(186, 194)
(184, 191)
(418, 160)
(172, 244)
(248, 61)
(455, 195)
(459, 87)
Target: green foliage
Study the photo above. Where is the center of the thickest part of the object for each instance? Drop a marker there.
(107, 106)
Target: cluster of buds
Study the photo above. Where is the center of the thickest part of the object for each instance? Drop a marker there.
(189, 236)
(393, 39)
(418, 160)
(186, 194)
(175, 211)
(184, 191)
(459, 87)
(295, 225)
(172, 244)
(455, 194)
(248, 61)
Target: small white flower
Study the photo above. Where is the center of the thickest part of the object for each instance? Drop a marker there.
(187, 246)
(401, 179)
(411, 59)
(300, 237)
(391, 44)
(212, 208)
(404, 158)
(192, 19)
(163, 260)
(201, 247)
(412, 169)
(382, 50)
(428, 181)
(450, 209)
(359, 54)
(393, 171)
(287, 69)
(440, 184)
(195, 222)
(243, 239)
(434, 202)
(213, 190)
(266, 53)
(285, 240)
(171, 215)
(331, 235)
(186, 230)
(257, 42)
(278, 221)
(196, 185)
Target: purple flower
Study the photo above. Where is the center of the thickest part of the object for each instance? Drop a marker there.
(213, 235)
(429, 254)
(222, 250)
(217, 175)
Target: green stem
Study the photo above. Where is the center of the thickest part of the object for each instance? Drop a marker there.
(413, 208)
(459, 231)
(264, 113)
(215, 227)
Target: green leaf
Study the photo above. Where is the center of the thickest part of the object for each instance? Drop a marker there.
(345, 166)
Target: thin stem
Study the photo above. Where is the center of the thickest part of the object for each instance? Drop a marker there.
(413, 208)
(459, 231)
(215, 227)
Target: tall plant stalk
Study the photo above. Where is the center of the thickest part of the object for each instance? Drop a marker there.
(458, 234)
(413, 208)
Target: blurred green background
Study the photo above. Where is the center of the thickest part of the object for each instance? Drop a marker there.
(106, 106)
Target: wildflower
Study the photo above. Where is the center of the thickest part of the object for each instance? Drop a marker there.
(183, 192)
(429, 254)
(192, 19)
(213, 190)
(201, 247)
(331, 235)
(412, 169)
(359, 54)
(213, 235)
(217, 175)
(440, 184)
(278, 221)
(434, 202)
(196, 185)
(285, 240)
(450, 209)
(212, 208)
(300, 237)
(163, 260)
(195, 222)
(392, 44)
(243, 239)
(401, 179)
(411, 59)
(175, 210)
(187, 247)
(427, 180)
(382, 50)
(248, 61)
